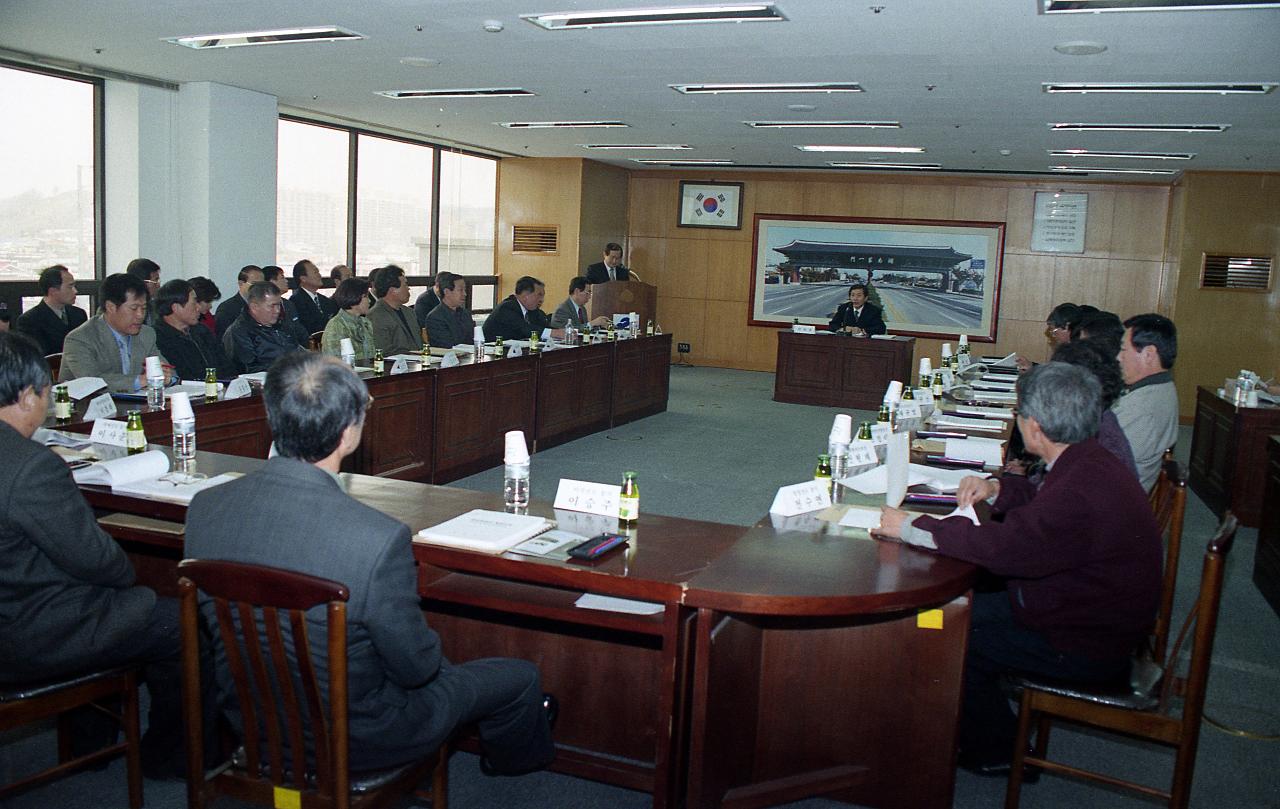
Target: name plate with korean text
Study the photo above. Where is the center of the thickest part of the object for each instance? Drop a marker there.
(799, 498)
(588, 497)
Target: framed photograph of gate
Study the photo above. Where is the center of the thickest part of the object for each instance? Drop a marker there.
(931, 278)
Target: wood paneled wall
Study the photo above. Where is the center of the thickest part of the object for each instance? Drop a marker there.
(703, 276)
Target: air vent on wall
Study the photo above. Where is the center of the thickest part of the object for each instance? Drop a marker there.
(540, 239)
(1236, 272)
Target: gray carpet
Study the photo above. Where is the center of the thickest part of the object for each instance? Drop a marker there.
(718, 454)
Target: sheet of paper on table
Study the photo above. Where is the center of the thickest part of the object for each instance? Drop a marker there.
(591, 601)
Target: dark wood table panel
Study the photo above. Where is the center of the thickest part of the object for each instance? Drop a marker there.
(836, 371)
(641, 378)
(1229, 455)
(574, 393)
(399, 429)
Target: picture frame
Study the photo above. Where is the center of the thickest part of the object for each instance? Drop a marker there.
(710, 205)
(931, 277)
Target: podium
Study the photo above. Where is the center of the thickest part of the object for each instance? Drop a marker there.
(621, 297)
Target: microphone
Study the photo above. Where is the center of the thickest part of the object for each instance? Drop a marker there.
(634, 274)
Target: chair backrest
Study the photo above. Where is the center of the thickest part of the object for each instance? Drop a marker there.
(55, 363)
(1204, 616)
(316, 340)
(251, 602)
(1169, 504)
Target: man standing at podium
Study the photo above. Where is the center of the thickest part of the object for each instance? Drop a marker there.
(611, 268)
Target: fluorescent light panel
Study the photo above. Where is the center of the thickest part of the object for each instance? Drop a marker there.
(823, 124)
(1139, 127)
(1089, 6)
(562, 124)
(1097, 170)
(649, 146)
(480, 92)
(792, 87)
(896, 166)
(659, 162)
(740, 12)
(1209, 88)
(863, 149)
(1127, 155)
(281, 36)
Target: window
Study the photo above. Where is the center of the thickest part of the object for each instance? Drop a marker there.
(468, 193)
(393, 204)
(311, 195)
(48, 175)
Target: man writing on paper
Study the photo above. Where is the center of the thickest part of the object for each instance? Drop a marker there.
(573, 312)
(405, 698)
(1081, 556)
(858, 317)
(1148, 410)
(67, 597)
(115, 344)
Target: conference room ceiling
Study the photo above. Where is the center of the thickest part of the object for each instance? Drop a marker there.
(963, 79)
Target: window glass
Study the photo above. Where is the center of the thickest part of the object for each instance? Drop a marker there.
(468, 211)
(47, 174)
(393, 205)
(311, 196)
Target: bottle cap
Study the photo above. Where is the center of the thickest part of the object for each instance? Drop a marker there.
(347, 347)
(153, 367)
(946, 349)
(516, 449)
(926, 365)
(180, 406)
(841, 429)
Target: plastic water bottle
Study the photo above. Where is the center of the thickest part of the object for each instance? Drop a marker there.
(515, 476)
(184, 427)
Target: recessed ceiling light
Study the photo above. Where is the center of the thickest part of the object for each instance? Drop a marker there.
(741, 12)
(823, 124)
(1139, 127)
(1088, 6)
(480, 92)
(1129, 155)
(1080, 48)
(649, 146)
(866, 149)
(562, 124)
(801, 107)
(870, 165)
(419, 61)
(659, 162)
(1210, 88)
(802, 87)
(1098, 170)
(281, 36)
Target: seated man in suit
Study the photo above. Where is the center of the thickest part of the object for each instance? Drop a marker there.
(573, 312)
(148, 272)
(520, 314)
(115, 344)
(857, 317)
(184, 340)
(405, 697)
(395, 326)
(314, 309)
(427, 302)
(1148, 410)
(1080, 553)
(50, 320)
(256, 339)
(229, 310)
(290, 322)
(68, 602)
(610, 269)
(450, 324)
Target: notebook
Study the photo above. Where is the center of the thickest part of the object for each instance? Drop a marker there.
(485, 531)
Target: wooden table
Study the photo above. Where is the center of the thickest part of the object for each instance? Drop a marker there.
(839, 371)
(1229, 455)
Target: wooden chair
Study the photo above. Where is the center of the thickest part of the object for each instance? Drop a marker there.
(33, 702)
(1135, 714)
(317, 339)
(55, 364)
(1169, 503)
(252, 604)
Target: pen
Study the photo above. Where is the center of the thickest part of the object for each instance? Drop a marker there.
(939, 434)
(942, 459)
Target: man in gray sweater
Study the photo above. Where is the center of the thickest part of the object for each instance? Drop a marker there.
(1148, 410)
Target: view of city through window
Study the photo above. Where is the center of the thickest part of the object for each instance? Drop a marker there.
(46, 175)
(393, 205)
(311, 195)
(468, 213)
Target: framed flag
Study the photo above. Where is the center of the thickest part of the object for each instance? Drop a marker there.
(710, 205)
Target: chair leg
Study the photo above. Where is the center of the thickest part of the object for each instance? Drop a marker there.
(132, 727)
(1013, 792)
(1042, 737)
(1184, 767)
(440, 780)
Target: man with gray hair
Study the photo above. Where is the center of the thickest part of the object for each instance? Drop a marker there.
(405, 697)
(1080, 557)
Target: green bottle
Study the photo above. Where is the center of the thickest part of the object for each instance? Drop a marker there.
(135, 440)
(864, 431)
(379, 364)
(884, 415)
(61, 404)
(629, 499)
(210, 385)
(908, 393)
(823, 470)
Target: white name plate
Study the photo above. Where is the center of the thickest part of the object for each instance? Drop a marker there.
(964, 361)
(101, 407)
(799, 498)
(880, 433)
(909, 410)
(237, 389)
(862, 453)
(588, 497)
(449, 360)
(108, 431)
(924, 396)
(800, 328)
(399, 366)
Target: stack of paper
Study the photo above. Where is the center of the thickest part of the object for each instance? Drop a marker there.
(943, 420)
(193, 389)
(146, 475)
(485, 531)
(876, 481)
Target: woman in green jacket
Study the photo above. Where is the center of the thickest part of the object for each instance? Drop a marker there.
(353, 304)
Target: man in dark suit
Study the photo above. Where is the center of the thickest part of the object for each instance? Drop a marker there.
(181, 337)
(427, 302)
(229, 310)
(290, 323)
(405, 697)
(50, 320)
(67, 597)
(257, 339)
(573, 312)
(611, 268)
(857, 317)
(314, 309)
(520, 314)
(450, 324)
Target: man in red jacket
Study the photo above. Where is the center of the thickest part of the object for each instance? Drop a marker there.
(1080, 557)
